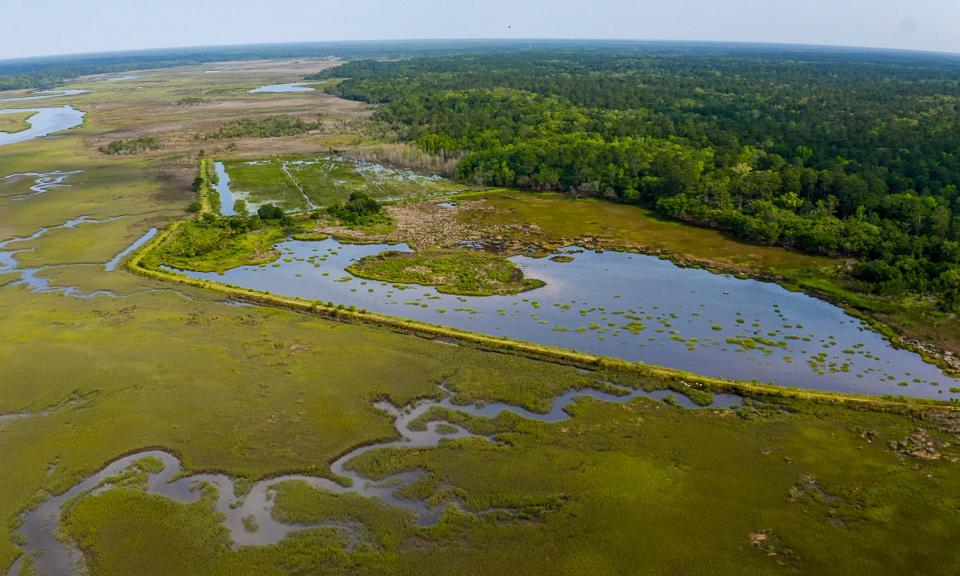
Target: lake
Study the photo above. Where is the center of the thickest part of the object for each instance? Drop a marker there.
(634, 307)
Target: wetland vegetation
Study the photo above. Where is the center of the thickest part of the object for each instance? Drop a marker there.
(464, 272)
(15, 122)
(137, 145)
(260, 410)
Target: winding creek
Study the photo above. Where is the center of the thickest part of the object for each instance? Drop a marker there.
(51, 555)
(42, 182)
(629, 306)
(30, 277)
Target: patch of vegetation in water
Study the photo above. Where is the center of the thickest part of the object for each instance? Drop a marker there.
(310, 236)
(216, 244)
(455, 271)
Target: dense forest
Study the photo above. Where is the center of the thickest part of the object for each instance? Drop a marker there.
(829, 152)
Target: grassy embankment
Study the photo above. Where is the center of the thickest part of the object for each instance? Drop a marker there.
(16, 122)
(464, 272)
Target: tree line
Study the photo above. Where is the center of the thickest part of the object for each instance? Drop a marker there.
(843, 153)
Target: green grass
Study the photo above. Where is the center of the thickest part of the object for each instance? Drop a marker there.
(329, 178)
(561, 219)
(207, 248)
(263, 182)
(465, 272)
(16, 122)
(615, 487)
(298, 503)
(166, 538)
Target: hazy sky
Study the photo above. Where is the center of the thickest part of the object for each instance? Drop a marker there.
(38, 27)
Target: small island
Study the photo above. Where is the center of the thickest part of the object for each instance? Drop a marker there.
(456, 271)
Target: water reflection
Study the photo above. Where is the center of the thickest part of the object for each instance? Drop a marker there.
(629, 306)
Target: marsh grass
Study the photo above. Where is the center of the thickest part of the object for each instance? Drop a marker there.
(205, 247)
(464, 272)
(263, 182)
(16, 122)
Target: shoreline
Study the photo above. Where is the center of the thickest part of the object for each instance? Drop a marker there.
(528, 349)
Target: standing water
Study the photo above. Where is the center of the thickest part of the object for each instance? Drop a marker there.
(634, 307)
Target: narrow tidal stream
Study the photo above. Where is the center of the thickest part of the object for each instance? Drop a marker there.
(52, 556)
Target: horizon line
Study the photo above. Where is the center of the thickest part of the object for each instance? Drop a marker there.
(686, 41)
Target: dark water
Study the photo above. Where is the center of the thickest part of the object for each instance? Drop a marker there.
(634, 307)
(52, 556)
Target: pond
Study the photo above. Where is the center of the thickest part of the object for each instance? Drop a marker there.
(284, 88)
(634, 307)
(45, 121)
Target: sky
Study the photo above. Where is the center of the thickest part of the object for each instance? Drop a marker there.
(74, 26)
